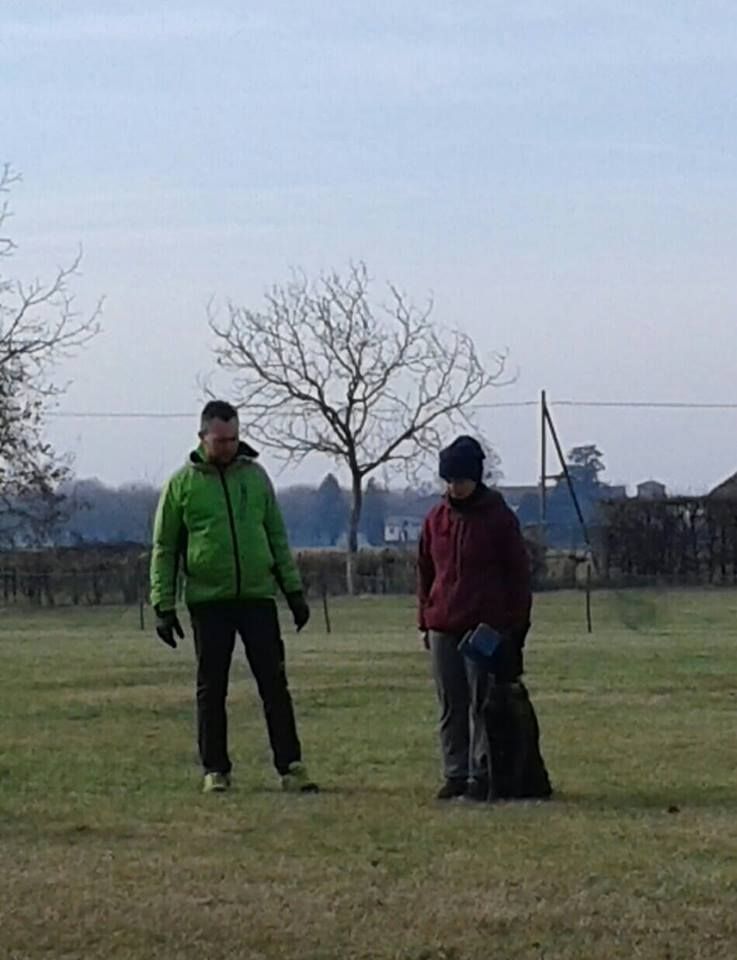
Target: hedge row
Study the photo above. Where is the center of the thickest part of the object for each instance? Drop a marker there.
(97, 575)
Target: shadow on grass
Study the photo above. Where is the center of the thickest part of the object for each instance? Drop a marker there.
(40, 830)
(109, 680)
(673, 800)
(331, 790)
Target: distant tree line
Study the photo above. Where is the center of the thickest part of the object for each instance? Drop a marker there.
(87, 511)
(90, 512)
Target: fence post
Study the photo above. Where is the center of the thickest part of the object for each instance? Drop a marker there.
(325, 610)
(141, 595)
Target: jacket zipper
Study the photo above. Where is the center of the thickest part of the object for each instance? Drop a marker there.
(460, 529)
(234, 537)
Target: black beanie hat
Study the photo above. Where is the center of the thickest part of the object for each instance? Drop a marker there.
(462, 460)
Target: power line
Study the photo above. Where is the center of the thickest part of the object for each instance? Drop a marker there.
(611, 404)
(119, 415)
(509, 403)
(159, 415)
(645, 404)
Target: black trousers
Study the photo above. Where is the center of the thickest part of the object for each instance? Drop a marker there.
(215, 626)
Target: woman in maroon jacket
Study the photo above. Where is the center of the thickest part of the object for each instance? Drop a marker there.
(473, 568)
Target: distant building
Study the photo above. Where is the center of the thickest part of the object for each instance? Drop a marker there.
(514, 495)
(342, 542)
(726, 490)
(651, 490)
(402, 530)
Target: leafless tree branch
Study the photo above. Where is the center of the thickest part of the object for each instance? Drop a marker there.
(39, 326)
(321, 369)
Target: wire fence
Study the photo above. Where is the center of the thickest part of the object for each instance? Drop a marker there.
(668, 542)
(98, 576)
(47, 586)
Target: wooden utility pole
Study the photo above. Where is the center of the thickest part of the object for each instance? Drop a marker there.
(543, 463)
(546, 423)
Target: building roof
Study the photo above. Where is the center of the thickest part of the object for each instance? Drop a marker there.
(727, 488)
(518, 490)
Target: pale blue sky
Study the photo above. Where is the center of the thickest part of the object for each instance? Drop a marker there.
(561, 175)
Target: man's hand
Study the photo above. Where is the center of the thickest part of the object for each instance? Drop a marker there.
(300, 609)
(167, 624)
(425, 638)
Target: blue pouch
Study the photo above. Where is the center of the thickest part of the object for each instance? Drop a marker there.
(481, 645)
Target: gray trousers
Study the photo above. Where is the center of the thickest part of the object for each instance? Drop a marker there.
(461, 688)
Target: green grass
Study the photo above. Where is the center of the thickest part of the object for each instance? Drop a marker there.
(107, 849)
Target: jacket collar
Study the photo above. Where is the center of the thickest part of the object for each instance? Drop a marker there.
(244, 454)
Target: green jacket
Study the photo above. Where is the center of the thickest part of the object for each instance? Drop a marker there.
(223, 528)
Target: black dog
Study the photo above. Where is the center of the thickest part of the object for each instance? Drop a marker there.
(516, 767)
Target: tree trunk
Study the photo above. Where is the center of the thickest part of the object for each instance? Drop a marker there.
(355, 518)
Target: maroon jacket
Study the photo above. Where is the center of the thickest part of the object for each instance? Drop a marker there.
(473, 567)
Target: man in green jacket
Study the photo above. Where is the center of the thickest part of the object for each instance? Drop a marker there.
(219, 524)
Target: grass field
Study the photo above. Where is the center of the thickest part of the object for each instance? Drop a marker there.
(107, 849)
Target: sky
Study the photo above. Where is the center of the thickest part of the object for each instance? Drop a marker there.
(560, 176)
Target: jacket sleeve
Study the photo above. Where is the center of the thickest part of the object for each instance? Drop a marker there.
(285, 568)
(425, 574)
(518, 578)
(168, 533)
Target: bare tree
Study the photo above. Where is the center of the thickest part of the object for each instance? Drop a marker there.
(321, 369)
(39, 327)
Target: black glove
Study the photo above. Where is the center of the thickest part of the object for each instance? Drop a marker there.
(300, 609)
(167, 624)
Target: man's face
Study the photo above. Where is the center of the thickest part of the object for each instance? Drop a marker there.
(461, 489)
(220, 441)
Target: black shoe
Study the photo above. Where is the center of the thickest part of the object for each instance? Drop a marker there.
(451, 789)
(477, 791)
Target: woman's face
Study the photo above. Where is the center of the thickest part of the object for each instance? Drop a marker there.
(461, 489)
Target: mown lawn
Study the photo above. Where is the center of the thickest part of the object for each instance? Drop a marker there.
(108, 849)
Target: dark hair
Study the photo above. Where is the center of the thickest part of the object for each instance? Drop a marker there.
(216, 410)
